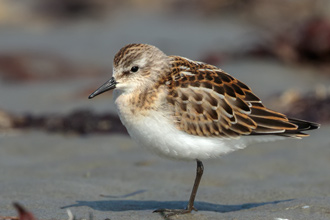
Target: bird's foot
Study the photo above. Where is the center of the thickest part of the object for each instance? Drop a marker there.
(171, 212)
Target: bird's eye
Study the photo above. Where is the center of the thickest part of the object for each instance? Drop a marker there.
(134, 69)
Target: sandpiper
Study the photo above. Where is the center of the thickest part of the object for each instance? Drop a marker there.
(189, 110)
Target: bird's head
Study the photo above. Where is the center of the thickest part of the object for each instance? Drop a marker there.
(136, 66)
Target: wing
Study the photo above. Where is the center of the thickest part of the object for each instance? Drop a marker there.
(209, 102)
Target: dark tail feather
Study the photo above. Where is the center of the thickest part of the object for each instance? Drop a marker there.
(302, 126)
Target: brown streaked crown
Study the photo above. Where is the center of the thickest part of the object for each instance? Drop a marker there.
(132, 52)
(130, 48)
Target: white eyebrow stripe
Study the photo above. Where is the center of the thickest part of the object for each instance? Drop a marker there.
(142, 62)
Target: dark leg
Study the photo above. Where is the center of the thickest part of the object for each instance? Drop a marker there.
(190, 207)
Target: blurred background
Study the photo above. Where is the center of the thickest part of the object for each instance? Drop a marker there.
(54, 53)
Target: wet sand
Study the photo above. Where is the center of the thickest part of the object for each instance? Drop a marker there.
(50, 173)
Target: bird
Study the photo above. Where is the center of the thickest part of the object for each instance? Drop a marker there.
(190, 110)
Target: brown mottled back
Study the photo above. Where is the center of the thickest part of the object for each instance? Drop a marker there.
(208, 102)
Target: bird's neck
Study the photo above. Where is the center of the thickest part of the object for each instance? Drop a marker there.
(140, 101)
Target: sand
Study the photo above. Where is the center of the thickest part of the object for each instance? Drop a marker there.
(49, 173)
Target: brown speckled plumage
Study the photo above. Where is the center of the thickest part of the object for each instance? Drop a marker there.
(189, 110)
(206, 101)
(202, 99)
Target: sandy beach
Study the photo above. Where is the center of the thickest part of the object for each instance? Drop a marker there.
(287, 179)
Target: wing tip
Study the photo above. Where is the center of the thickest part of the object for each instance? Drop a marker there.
(304, 125)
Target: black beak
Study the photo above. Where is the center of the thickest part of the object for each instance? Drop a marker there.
(111, 84)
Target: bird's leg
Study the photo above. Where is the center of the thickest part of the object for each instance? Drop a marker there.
(190, 207)
(199, 173)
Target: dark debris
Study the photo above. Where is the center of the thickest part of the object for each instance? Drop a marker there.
(310, 109)
(74, 9)
(80, 122)
(313, 106)
(23, 214)
(308, 42)
(42, 66)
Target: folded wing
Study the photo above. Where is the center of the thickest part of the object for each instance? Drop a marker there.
(209, 102)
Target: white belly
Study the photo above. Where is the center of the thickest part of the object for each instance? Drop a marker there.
(159, 135)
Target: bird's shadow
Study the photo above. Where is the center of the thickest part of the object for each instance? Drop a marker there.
(118, 205)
